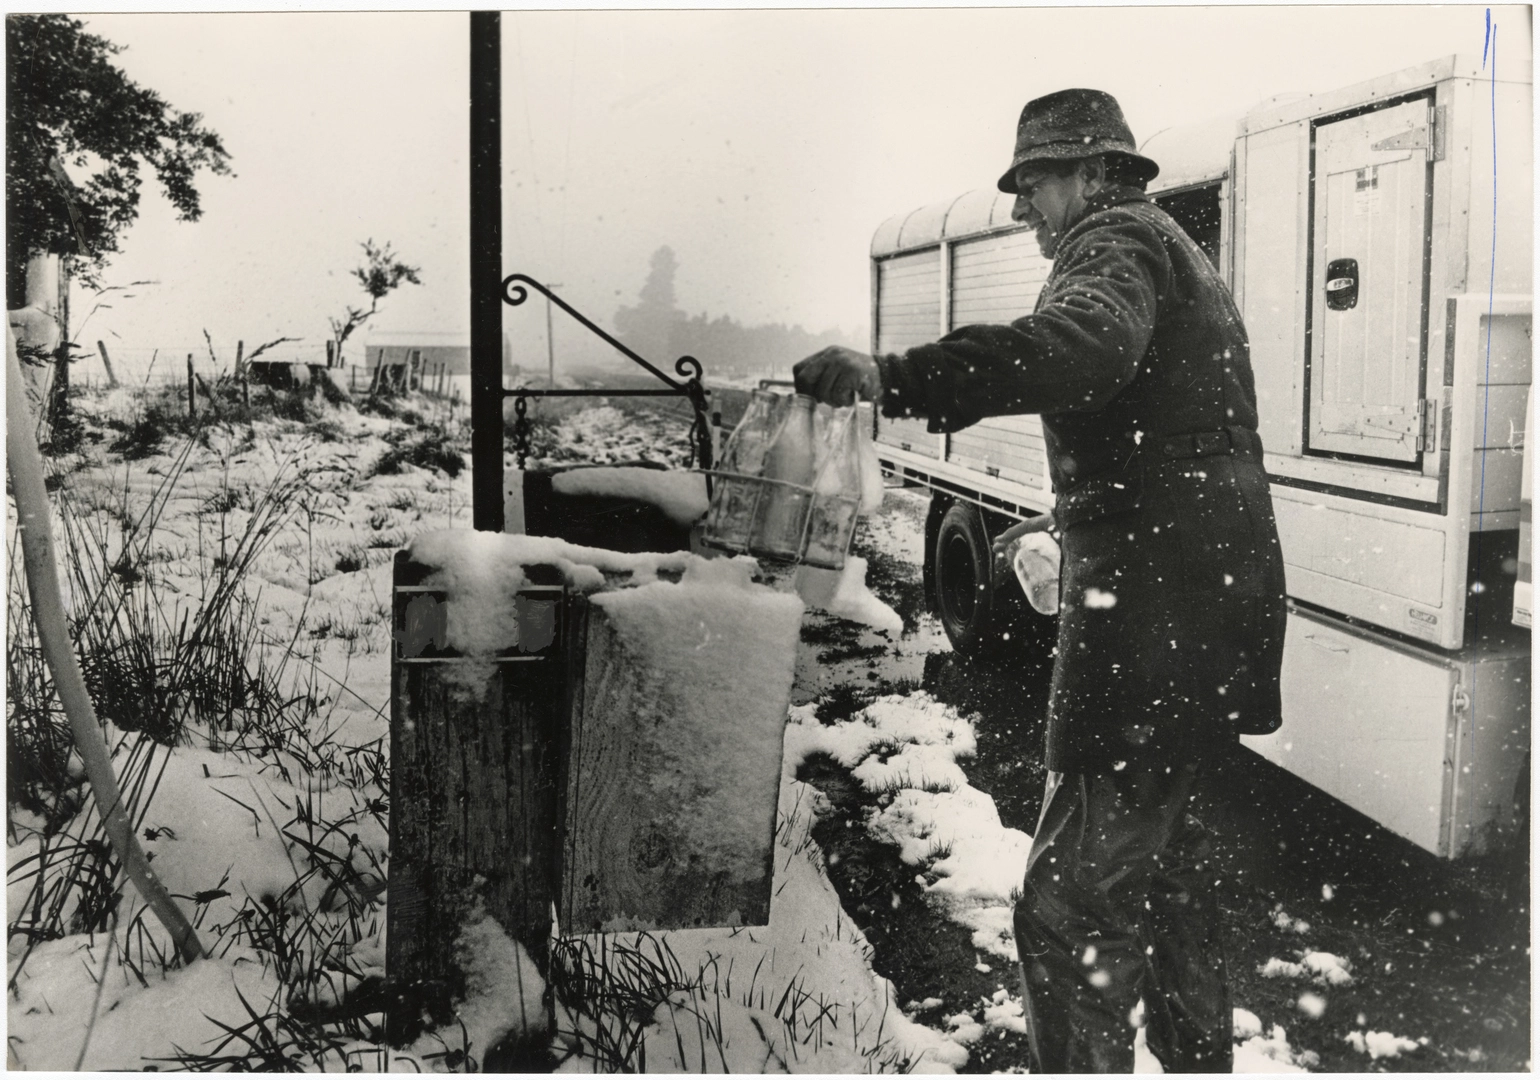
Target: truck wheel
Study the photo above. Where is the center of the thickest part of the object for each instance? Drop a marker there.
(965, 599)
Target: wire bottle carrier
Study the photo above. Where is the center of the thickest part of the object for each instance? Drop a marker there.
(789, 487)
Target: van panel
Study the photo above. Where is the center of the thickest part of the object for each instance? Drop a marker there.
(996, 279)
(1368, 725)
(1349, 543)
(1272, 261)
(1371, 178)
(1500, 415)
(908, 314)
(1429, 745)
(1495, 480)
(1010, 447)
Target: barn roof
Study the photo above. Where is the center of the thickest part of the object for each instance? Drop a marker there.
(418, 339)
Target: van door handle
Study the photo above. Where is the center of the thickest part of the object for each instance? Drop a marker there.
(1327, 645)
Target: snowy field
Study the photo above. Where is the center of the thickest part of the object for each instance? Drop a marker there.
(279, 846)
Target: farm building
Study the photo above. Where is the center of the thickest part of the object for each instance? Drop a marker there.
(441, 360)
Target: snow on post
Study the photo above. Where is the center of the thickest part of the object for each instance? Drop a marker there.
(675, 767)
(651, 689)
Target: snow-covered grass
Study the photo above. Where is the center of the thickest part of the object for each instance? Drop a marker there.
(253, 549)
(194, 577)
(257, 766)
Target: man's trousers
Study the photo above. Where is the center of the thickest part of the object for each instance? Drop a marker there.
(1118, 906)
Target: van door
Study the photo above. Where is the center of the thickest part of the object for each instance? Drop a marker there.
(1370, 233)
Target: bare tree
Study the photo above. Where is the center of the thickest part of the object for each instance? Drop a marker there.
(381, 273)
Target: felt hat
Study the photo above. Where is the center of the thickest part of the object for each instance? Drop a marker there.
(1070, 124)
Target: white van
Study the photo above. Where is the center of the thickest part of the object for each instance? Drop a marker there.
(1379, 242)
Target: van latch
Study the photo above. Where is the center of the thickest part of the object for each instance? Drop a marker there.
(1460, 699)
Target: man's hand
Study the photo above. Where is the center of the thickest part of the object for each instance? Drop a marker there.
(837, 376)
(1041, 523)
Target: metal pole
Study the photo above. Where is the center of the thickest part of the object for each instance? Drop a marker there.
(486, 273)
(550, 342)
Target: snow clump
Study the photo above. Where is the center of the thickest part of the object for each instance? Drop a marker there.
(906, 747)
(1273, 1054)
(680, 495)
(1381, 1044)
(844, 594)
(1283, 921)
(1322, 967)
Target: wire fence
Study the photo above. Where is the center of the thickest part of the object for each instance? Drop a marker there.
(145, 367)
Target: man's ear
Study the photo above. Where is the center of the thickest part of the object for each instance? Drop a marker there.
(1093, 172)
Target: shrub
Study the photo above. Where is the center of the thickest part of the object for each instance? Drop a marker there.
(432, 447)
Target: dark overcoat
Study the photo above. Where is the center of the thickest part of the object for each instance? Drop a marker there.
(1172, 594)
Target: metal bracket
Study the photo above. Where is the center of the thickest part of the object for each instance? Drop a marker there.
(689, 368)
(1429, 139)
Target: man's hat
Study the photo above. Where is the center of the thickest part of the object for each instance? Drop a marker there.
(1073, 124)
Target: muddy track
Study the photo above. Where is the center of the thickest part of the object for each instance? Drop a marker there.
(1439, 950)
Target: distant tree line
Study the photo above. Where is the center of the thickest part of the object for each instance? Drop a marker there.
(657, 329)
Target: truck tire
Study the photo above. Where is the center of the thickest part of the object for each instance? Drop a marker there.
(971, 613)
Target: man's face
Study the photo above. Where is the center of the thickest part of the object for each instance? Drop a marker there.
(1049, 204)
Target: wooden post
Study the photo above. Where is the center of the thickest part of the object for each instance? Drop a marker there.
(474, 787)
(330, 350)
(652, 839)
(112, 379)
(192, 389)
(240, 372)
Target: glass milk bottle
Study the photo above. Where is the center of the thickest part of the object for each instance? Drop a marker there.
(836, 494)
(866, 449)
(783, 505)
(731, 517)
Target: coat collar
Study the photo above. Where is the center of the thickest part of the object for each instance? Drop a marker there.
(1110, 196)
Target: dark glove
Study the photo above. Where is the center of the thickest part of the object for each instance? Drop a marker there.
(837, 376)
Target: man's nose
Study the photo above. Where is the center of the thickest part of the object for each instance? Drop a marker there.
(1022, 211)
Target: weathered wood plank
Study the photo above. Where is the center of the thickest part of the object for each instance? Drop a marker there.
(473, 799)
(672, 785)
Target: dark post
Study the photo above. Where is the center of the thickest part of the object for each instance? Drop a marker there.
(101, 347)
(192, 389)
(486, 159)
(240, 372)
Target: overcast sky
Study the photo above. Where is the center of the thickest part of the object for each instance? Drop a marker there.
(765, 147)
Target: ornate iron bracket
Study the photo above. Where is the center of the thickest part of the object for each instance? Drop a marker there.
(689, 368)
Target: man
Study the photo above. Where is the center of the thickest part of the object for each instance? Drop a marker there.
(1172, 598)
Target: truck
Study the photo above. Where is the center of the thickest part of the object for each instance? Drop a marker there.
(1378, 241)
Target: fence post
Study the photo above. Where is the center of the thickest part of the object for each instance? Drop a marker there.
(240, 371)
(474, 787)
(192, 389)
(112, 379)
(330, 349)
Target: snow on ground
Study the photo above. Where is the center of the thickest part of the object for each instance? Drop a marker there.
(222, 822)
(905, 748)
(605, 435)
(811, 965)
(323, 591)
(55, 1001)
